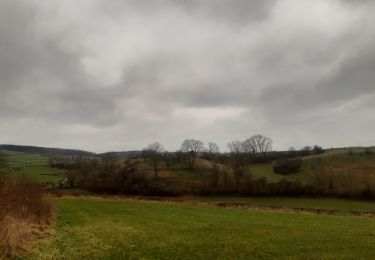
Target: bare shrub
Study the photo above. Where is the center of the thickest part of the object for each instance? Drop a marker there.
(346, 182)
(24, 209)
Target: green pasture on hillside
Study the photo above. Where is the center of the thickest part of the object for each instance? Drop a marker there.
(32, 167)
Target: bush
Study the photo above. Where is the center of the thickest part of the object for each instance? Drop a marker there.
(24, 209)
(287, 166)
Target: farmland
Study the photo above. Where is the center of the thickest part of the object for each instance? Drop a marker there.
(103, 226)
(106, 229)
(32, 167)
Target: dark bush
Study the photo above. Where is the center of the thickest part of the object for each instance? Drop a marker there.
(287, 166)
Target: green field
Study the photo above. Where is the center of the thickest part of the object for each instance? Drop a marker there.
(103, 229)
(338, 160)
(32, 167)
(342, 205)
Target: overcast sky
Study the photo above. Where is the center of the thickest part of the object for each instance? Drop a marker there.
(120, 74)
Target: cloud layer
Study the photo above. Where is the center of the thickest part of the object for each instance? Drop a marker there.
(117, 75)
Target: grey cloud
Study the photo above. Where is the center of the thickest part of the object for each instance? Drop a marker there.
(204, 69)
(353, 79)
(238, 12)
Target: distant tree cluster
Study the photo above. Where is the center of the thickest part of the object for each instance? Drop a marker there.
(154, 152)
(305, 151)
(191, 148)
(199, 169)
(113, 176)
(287, 166)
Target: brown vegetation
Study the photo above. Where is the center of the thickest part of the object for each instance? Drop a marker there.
(24, 213)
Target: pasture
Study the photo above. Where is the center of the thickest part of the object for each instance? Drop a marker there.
(126, 229)
(32, 167)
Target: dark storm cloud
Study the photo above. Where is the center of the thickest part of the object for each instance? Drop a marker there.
(118, 74)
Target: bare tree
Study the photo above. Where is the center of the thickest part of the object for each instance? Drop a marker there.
(213, 151)
(192, 148)
(213, 148)
(258, 146)
(236, 147)
(237, 161)
(154, 153)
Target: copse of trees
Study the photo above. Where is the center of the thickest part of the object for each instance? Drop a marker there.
(191, 148)
(287, 166)
(114, 176)
(258, 146)
(212, 172)
(237, 161)
(213, 154)
(154, 153)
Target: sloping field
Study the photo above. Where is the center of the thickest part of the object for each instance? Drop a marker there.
(32, 167)
(333, 160)
(105, 229)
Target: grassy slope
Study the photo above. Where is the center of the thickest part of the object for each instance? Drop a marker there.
(93, 229)
(32, 167)
(334, 159)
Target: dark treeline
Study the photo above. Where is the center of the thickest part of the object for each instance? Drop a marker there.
(222, 177)
(199, 169)
(211, 172)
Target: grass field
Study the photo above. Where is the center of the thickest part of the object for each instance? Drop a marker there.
(100, 229)
(337, 160)
(32, 167)
(343, 205)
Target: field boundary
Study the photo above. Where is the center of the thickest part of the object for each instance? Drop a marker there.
(234, 205)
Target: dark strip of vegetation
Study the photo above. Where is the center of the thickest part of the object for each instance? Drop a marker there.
(45, 151)
(227, 176)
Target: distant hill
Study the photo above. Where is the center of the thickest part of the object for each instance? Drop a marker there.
(45, 151)
(123, 154)
(59, 152)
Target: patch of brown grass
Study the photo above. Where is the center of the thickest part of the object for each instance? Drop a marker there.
(25, 211)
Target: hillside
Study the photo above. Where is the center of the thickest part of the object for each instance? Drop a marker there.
(32, 167)
(45, 151)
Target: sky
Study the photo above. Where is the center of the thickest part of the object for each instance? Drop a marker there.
(118, 75)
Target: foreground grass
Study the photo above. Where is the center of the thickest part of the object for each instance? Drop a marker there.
(99, 229)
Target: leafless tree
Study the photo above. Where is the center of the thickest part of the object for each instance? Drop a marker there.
(154, 153)
(237, 161)
(192, 147)
(258, 146)
(236, 147)
(213, 148)
(213, 151)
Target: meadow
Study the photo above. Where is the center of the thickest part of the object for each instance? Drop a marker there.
(32, 167)
(108, 229)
